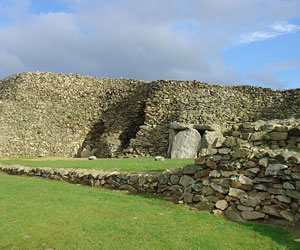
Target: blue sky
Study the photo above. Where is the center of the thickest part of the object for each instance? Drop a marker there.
(228, 42)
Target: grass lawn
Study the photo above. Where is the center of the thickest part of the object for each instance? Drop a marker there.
(42, 214)
(129, 164)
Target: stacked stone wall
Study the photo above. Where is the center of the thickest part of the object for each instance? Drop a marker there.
(63, 115)
(247, 184)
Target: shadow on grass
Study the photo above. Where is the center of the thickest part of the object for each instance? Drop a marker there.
(283, 236)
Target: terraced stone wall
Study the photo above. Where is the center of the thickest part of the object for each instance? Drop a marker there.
(73, 115)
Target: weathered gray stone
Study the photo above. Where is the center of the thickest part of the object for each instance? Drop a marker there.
(213, 139)
(180, 126)
(218, 213)
(252, 215)
(250, 201)
(245, 208)
(260, 187)
(162, 179)
(186, 144)
(207, 127)
(245, 180)
(241, 153)
(278, 136)
(233, 214)
(188, 198)
(293, 194)
(197, 187)
(214, 174)
(283, 198)
(249, 164)
(274, 169)
(257, 136)
(202, 173)
(92, 157)
(200, 160)
(218, 188)
(230, 142)
(205, 206)
(263, 162)
(260, 195)
(271, 210)
(296, 176)
(186, 180)
(174, 179)
(191, 169)
(85, 153)
(129, 188)
(211, 164)
(235, 192)
(253, 170)
(287, 215)
(275, 191)
(172, 134)
(224, 151)
(222, 204)
(159, 158)
(207, 190)
(265, 179)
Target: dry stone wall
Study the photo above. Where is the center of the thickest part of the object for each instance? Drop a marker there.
(67, 115)
(247, 184)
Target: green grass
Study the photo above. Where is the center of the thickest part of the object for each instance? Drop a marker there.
(130, 164)
(41, 214)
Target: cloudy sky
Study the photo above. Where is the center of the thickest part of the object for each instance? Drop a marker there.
(253, 42)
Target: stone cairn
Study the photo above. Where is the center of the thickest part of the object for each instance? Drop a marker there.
(68, 115)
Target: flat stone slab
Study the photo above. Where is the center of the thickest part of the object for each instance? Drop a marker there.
(186, 144)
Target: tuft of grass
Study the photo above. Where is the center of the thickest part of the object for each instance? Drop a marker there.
(43, 214)
(129, 165)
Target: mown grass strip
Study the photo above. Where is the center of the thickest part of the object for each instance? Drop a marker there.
(129, 164)
(41, 214)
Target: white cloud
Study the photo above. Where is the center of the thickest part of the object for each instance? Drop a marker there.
(265, 78)
(275, 30)
(175, 39)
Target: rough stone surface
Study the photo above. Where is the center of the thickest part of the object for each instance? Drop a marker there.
(252, 215)
(186, 180)
(186, 144)
(85, 153)
(59, 114)
(222, 204)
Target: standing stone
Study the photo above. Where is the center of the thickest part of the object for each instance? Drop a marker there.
(172, 134)
(186, 144)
